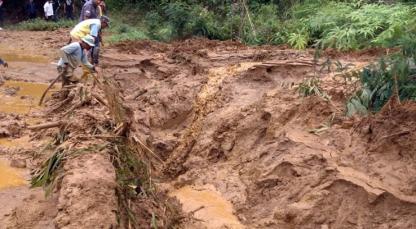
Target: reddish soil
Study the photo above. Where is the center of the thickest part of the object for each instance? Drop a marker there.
(226, 116)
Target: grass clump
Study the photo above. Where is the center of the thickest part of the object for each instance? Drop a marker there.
(42, 25)
(123, 32)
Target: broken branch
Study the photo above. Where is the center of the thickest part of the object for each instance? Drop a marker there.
(46, 125)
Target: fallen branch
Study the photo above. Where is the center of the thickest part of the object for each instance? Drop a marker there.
(136, 94)
(280, 63)
(196, 210)
(98, 136)
(46, 125)
(401, 133)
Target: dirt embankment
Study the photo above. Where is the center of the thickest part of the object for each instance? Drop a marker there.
(226, 115)
(235, 143)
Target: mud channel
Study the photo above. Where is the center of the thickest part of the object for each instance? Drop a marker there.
(226, 140)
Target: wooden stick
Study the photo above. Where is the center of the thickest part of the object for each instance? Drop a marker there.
(99, 99)
(46, 125)
(50, 86)
(137, 140)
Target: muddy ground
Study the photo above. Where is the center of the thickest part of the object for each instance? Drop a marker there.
(233, 140)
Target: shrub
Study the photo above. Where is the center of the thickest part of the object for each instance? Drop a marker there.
(393, 75)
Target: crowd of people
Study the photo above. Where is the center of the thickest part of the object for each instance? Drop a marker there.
(85, 39)
(53, 10)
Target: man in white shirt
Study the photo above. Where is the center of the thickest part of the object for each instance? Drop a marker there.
(48, 8)
(74, 55)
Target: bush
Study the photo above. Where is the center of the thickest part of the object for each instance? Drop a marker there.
(393, 75)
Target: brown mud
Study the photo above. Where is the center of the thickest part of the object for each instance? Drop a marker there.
(234, 142)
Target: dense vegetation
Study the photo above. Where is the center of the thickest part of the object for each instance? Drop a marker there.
(344, 25)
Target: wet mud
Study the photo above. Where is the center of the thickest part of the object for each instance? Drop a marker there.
(236, 144)
(238, 124)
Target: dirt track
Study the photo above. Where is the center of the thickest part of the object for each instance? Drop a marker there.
(229, 126)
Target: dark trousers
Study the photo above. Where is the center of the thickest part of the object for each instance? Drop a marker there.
(95, 51)
(69, 10)
(32, 15)
(1, 16)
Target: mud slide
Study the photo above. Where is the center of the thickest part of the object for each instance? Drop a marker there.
(230, 125)
(201, 134)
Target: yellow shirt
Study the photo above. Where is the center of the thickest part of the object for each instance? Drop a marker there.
(87, 27)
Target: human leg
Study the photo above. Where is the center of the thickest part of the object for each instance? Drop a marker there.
(95, 53)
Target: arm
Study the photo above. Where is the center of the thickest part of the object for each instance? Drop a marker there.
(86, 63)
(94, 30)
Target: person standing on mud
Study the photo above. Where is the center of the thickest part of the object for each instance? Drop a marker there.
(31, 10)
(69, 9)
(48, 9)
(72, 56)
(102, 8)
(91, 27)
(56, 6)
(89, 10)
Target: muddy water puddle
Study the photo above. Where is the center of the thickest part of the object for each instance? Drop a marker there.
(20, 97)
(209, 206)
(10, 177)
(11, 56)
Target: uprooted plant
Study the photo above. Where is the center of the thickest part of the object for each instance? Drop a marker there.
(138, 200)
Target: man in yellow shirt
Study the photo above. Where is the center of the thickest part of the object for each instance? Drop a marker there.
(93, 28)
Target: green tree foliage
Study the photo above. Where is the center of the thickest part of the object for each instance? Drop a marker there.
(343, 25)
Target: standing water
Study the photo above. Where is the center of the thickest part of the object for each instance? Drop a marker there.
(26, 98)
(10, 177)
(208, 206)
